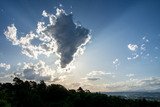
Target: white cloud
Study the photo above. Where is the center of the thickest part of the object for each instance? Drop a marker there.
(61, 36)
(156, 48)
(142, 52)
(156, 57)
(45, 14)
(132, 47)
(116, 63)
(41, 71)
(130, 75)
(37, 72)
(96, 75)
(46, 47)
(148, 84)
(145, 39)
(11, 34)
(143, 48)
(86, 85)
(5, 66)
(134, 56)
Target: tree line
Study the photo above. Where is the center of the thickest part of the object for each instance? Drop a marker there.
(31, 94)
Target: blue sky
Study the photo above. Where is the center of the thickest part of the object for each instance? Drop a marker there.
(122, 54)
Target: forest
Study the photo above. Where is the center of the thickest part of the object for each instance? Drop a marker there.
(31, 94)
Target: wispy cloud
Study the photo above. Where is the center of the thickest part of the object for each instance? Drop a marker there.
(134, 56)
(148, 84)
(116, 63)
(145, 39)
(130, 75)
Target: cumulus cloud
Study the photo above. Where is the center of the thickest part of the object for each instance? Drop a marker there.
(30, 50)
(11, 34)
(61, 36)
(132, 47)
(150, 84)
(37, 72)
(40, 71)
(69, 36)
(5, 66)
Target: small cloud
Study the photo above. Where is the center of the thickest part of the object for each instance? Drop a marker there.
(5, 66)
(143, 48)
(145, 39)
(156, 48)
(134, 56)
(147, 54)
(132, 47)
(96, 75)
(135, 52)
(130, 75)
(93, 78)
(60, 5)
(11, 34)
(45, 14)
(116, 63)
(156, 57)
(19, 64)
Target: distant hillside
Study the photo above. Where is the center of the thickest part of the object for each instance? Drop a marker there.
(32, 94)
(136, 95)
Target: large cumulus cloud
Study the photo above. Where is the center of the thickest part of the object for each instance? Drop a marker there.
(68, 35)
(61, 36)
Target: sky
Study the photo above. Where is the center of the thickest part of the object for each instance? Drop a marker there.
(100, 45)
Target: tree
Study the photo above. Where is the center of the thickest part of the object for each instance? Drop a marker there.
(80, 90)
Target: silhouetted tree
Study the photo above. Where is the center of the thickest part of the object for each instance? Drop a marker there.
(80, 90)
(31, 94)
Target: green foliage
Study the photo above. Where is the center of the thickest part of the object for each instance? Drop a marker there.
(31, 94)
